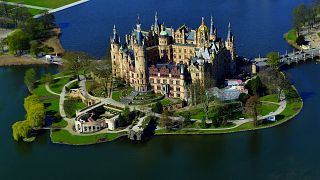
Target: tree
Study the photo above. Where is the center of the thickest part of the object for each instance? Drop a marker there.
(74, 62)
(299, 17)
(256, 87)
(165, 121)
(300, 40)
(157, 108)
(34, 48)
(21, 130)
(273, 59)
(35, 111)
(30, 79)
(102, 71)
(274, 80)
(48, 20)
(18, 41)
(252, 105)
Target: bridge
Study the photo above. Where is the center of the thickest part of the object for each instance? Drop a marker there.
(294, 57)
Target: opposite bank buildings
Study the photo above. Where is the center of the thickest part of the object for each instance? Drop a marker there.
(168, 60)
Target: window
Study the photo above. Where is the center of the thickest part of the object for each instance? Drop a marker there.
(197, 74)
(179, 57)
(178, 95)
(177, 82)
(185, 50)
(179, 50)
(158, 87)
(164, 81)
(177, 88)
(171, 82)
(158, 80)
(174, 55)
(93, 128)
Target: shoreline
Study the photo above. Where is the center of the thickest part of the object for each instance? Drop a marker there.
(207, 131)
(8, 60)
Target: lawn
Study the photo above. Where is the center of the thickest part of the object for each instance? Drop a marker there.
(72, 105)
(64, 137)
(46, 3)
(271, 98)
(60, 124)
(266, 108)
(41, 91)
(35, 11)
(58, 84)
(116, 95)
(165, 102)
(292, 35)
(318, 34)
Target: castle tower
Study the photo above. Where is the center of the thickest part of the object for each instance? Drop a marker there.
(213, 31)
(141, 79)
(163, 44)
(230, 45)
(202, 35)
(115, 54)
(156, 24)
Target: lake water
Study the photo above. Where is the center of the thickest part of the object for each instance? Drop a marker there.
(289, 151)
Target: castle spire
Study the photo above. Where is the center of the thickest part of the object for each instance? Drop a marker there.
(230, 36)
(139, 33)
(115, 35)
(202, 22)
(211, 27)
(156, 22)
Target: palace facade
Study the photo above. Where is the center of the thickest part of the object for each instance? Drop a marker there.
(168, 60)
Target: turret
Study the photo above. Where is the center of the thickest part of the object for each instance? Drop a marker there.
(115, 55)
(213, 31)
(115, 38)
(230, 43)
(156, 25)
(139, 33)
(202, 35)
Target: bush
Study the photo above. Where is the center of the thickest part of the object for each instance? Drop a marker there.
(157, 108)
(21, 130)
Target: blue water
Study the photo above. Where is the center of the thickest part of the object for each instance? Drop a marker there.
(258, 25)
(289, 151)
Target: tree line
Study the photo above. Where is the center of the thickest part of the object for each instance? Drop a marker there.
(306, 16)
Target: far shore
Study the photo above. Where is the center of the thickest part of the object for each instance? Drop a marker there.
(11, 60)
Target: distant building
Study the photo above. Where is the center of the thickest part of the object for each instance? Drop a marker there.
(166, 60)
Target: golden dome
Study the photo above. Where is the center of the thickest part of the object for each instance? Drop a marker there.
(203, 28)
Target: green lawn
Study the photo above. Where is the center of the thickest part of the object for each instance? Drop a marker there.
(58, 84)
(64, 137)
(266, 108)
(293, 107)
(165, 102)
(45, 3)
(271, 98)
(60, 124)
(292, 35)
(72, 105)
(116, 95)
(35, 11)
(41, 91)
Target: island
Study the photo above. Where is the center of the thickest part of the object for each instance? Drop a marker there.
(163, 81)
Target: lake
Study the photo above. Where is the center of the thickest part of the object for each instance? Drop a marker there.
(288, 151)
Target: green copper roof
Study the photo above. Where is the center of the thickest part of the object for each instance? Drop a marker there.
(163, 33)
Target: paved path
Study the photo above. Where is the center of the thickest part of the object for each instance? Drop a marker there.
(25, 5)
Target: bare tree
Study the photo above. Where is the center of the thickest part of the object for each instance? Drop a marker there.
(252, 105)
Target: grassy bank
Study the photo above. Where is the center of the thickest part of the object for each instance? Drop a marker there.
(291, 37)
(64, 137)
(45, 3)
(293, 107)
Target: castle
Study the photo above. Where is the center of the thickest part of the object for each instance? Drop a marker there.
(166, 60)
